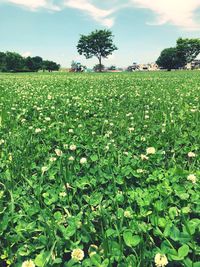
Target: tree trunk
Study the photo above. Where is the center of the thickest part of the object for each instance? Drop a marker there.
(100, 65)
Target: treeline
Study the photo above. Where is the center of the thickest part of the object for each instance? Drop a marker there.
(14, 62)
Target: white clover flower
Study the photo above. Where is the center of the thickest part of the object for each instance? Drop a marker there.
(150, 150)
(58, 152)
(107, 147)
(38, 130)
(49, 97)
(192, 178)
(28, 263)
(146, 117)
(160, 260)
(143, 138)
(127, 214)
(140, 170)
(83, 160)
(191, 155)
(144, 157)
(52, 159)
(47, 119)
(93, 133)
(71, 131)
(72, 147)
(68, 186)
(77, 254)
(62, 194)
(131, 129)
(2, 141)
(71, 158)
(44, 169)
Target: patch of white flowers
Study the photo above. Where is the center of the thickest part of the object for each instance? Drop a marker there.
(150, 150)
(191, 155)
(83, 161)
(77, 254)
(160, 260)
(192, 178)
(28, 263)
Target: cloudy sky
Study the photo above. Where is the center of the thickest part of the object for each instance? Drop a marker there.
(51, 28)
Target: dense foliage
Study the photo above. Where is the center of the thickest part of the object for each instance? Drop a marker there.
(14, 62)
(100, 170)
(186, 51)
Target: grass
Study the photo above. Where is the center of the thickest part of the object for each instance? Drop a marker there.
(100, 163)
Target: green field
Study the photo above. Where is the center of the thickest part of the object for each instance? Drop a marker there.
(104, 163)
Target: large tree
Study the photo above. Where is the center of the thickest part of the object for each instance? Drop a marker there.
(34, 63)
(14, 62)
(98, 43)
(187, 50)
(168, 59)
(50, 66)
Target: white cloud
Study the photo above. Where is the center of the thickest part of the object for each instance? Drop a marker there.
(180, 13)
(98, 14)
(26, 54)
(35, 4)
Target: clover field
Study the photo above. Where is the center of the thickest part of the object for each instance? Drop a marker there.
(103, 164)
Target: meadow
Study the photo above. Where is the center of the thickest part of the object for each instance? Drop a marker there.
(100, 169)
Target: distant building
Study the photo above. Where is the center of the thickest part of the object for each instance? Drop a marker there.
(143, 67)
(195, 64)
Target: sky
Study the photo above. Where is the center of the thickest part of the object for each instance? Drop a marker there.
(141, 28)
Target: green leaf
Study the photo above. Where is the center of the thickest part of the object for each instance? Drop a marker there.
(173, 212)
(57, 215)
(40, 260)
(96, 260)
(130, 239)
(183, 251)
(94, 158)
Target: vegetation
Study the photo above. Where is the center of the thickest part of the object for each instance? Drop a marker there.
(186, 51)
(14, 62)
(99, 170)
(169, 59)
(98, 44)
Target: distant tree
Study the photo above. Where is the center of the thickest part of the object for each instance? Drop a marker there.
(98, 43)
(76, 66)
(3, 62)
(50, 66)
(168, 59)
(98, 67)
(34, 63)
(14, 62)
(112, 68)
(187, 50)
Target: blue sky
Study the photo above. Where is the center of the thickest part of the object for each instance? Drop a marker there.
(51, 29)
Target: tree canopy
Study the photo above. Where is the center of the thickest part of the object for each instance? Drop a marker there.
(98, 43)
(168, 59)
(186, 51)
(14, 62)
